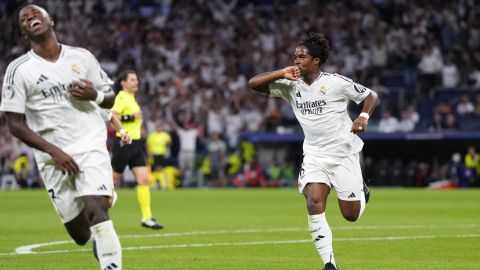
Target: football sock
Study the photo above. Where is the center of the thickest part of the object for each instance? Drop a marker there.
(322, 237)
(143, 196)
(108, 246)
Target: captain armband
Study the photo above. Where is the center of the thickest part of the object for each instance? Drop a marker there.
(127, 118)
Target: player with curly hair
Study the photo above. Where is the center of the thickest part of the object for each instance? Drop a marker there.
(331, 147)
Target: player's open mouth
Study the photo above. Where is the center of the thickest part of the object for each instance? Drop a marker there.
(35, 23)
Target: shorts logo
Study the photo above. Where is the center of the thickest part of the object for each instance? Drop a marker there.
(351, 195)
(8, 92)
(102, 187)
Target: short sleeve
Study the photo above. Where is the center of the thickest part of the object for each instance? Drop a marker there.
(97, 75)
(281, 88)
(119, 104)
(14, 92)
(105, 114)
(352, 90)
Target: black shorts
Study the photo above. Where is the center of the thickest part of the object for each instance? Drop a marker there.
(159, 160)
(132, 155)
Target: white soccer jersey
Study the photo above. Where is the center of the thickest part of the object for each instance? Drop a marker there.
(41, 90)
(321, 109)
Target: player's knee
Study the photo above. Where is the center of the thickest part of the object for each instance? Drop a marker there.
(81, 241)
(351, 217)
(315, 206)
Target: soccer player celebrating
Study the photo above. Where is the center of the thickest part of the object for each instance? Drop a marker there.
(128, 111)
(55, 87)
(331, 147)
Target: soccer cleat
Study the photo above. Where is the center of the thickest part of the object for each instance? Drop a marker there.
(94, 248)
(366, 191)
(330, 266)
(152, 224)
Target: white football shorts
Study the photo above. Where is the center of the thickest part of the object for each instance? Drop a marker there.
(344, 175)
(65, 191)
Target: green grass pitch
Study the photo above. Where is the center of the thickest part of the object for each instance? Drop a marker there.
(254, 229)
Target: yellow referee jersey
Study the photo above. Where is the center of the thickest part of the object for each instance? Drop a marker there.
(126, 104)
(157, 142)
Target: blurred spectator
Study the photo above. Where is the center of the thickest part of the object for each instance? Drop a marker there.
(430, 67)
(217, 150)
(450, 75)
(451, 123)
(406, 124)
(437, 123)
(388, 123)
(472, 160)
(465, 106)
(457, 171)
(477, 105)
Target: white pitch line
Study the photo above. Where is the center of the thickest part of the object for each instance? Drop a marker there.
(299, 241)
(28, 249)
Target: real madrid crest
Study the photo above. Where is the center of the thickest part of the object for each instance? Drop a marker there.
(75, 69)
(323, 90)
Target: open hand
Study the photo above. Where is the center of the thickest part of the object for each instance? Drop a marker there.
(64, 162)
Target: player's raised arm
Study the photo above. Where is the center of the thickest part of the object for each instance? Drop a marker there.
(260, 82)
(19, 129)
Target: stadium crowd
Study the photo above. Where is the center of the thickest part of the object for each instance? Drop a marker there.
(194, 58)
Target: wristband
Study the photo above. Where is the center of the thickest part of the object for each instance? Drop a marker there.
(122, 132)
(364, 115)
(100, 97)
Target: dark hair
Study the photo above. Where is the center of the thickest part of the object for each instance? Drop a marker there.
(317, 46)
(122, 76)
(21, 4)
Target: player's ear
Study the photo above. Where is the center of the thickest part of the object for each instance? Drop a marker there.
(52, 23)
(316, 61)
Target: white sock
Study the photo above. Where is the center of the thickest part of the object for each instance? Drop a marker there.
(322, 237)
(109, 250)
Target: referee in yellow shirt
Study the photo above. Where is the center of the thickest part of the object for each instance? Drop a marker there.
(128, 111)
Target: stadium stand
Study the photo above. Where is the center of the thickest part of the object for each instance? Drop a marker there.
(198, 75)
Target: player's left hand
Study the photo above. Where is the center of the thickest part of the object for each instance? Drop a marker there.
(83, 90)
(359, 125)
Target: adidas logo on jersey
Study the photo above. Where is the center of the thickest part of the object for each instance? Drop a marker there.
(297, 94)
(102, 187)
(42, 79)
(351, 195)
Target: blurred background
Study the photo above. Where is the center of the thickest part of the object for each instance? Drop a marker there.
(194, 59)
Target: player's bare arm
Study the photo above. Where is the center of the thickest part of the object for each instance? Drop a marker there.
(19, 129)
(84, 90)
(260, 82)
(117, 126)
(369, 103)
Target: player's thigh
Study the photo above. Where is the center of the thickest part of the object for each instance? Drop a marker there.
(95, 177)
(62, 192)
(347, 178)
(315, 170)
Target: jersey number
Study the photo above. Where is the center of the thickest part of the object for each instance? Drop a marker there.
(52, 193)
